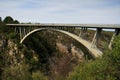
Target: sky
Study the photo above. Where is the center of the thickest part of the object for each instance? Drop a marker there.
(62, 11)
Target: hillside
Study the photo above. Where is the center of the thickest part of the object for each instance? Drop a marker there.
(50, 55)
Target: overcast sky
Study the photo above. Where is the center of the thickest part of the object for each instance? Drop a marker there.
(62, 11)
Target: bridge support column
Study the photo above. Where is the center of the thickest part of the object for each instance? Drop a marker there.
(29, 29)
(96, 37)
(85, 29)
(73, 29)
(115, 34)
(81, 31)
(24, 31)
(20, 31)
(16, 30)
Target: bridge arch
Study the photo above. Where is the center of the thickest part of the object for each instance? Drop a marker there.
(93, 51)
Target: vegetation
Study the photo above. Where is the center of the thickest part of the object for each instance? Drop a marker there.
(16, 61)
(14, 72)
(40, 58)
(5, 29)
(10, 20)
(104, 68)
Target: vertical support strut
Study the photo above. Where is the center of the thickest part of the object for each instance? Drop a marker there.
(20, 31)
(84, 29)
(29, 29)
(24, 31)
(15, 29)
(115, 34)
(81, 31)
(73, 29)
(96, 37)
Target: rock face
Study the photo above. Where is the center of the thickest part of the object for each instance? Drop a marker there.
(77, 53)
(3, 43)
(9, 51)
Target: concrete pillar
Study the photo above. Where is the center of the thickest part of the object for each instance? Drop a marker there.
(24, 31)
(67, 29)
(111, 41)
(20, 31)
(73, 29)
(47, 27)
(61, 27)
(96, 37)
(16, 30)
(70, 29)
(29, 29)
(32, 27)
(84, 29)
(81, 32)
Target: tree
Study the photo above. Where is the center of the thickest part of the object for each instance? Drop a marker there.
(0, 20)
(8, 19)
(16, 21)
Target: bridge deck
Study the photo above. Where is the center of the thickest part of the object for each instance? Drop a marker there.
(106, 26)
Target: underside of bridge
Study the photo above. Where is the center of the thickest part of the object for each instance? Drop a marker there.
(26, 30)
(94, 51)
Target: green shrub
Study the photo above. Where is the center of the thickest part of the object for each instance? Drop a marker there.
(38, 76)
(12, 36)
(13, 72)
(105, 68)
(93, 70)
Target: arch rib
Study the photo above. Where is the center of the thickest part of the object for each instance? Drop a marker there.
(95, 52)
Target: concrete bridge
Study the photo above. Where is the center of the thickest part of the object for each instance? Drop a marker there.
(27, 29)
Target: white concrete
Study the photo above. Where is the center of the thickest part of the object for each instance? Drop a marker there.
(106, 26)
(95, 52)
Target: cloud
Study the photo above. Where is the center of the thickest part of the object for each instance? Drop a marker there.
(62, 11)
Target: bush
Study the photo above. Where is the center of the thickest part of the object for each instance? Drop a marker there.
(38, 76)
(13, 36)
(89, 71)
(114, 57)
(105, 68)
(13, 72)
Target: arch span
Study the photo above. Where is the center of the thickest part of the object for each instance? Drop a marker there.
(95, 52)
